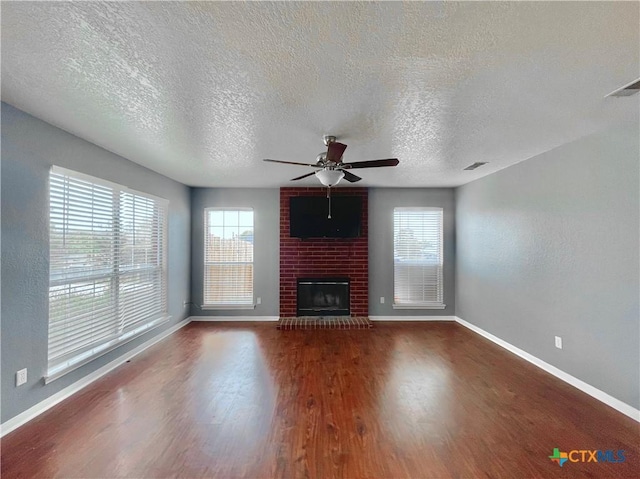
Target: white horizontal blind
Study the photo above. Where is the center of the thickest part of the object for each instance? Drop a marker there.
(107, 278)
(228, 258)
(417, 253)
(141, 289)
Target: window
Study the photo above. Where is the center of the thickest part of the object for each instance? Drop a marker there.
(107, 276)
(228, 259)
(417, 258)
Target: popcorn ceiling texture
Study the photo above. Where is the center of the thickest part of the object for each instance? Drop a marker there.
(202, 91)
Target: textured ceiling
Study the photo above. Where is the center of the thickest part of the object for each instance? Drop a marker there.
(202, 91)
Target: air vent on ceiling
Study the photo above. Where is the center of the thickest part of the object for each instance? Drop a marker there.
(477, 164)
(627, 90)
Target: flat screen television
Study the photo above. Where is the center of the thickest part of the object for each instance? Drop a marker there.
(308, 217)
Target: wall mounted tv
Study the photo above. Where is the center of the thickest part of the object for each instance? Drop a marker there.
(308, 217)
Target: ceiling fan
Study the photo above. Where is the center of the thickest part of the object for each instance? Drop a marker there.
(331, 169)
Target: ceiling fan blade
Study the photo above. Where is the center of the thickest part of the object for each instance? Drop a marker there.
(293, 163)
(335, 151)
(303, 176)
(350, 177)
(372, 163)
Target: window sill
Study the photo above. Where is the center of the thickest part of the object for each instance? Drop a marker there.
(420, 306)
(212, 307)
(104, 349)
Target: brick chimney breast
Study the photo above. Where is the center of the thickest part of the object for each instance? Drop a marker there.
(324, 257)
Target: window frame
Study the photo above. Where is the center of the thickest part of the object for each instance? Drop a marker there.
(205, 226)
(91, 351)
(438, 303)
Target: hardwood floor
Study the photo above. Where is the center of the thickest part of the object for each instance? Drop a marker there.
(402, 400)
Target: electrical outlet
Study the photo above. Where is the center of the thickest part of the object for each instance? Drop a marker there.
(185, 303)
(381, 299)
(258, 300)
(21, 377)
(558, 342)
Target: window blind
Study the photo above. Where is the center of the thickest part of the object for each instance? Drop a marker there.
(228, 258)
(107, 277)
(417, 253)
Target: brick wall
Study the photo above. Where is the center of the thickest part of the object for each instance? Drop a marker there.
(323, 257)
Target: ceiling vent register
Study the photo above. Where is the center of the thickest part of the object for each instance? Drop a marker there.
(477, 164)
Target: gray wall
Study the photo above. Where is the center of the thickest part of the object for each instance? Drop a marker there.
(550, 247)
(266, 216)
(382, 201)
(29, 148)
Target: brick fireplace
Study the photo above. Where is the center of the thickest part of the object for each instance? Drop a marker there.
(323, 257)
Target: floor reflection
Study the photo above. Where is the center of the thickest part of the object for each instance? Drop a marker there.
(417, 393)
(236, 399)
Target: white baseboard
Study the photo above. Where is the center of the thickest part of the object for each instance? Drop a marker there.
(34, 411)
(412, 318)
(596, 393)
(234, 318)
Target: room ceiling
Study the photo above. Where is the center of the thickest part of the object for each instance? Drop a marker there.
(203, 91)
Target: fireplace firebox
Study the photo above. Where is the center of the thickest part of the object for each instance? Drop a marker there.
(323, 297)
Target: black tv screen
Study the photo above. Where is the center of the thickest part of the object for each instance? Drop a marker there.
(308, 217)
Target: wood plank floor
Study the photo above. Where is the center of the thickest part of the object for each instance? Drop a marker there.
(402, 400)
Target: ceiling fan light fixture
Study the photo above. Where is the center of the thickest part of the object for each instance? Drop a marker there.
(330, 178)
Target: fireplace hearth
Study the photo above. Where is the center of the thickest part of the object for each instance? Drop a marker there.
(323, 297)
